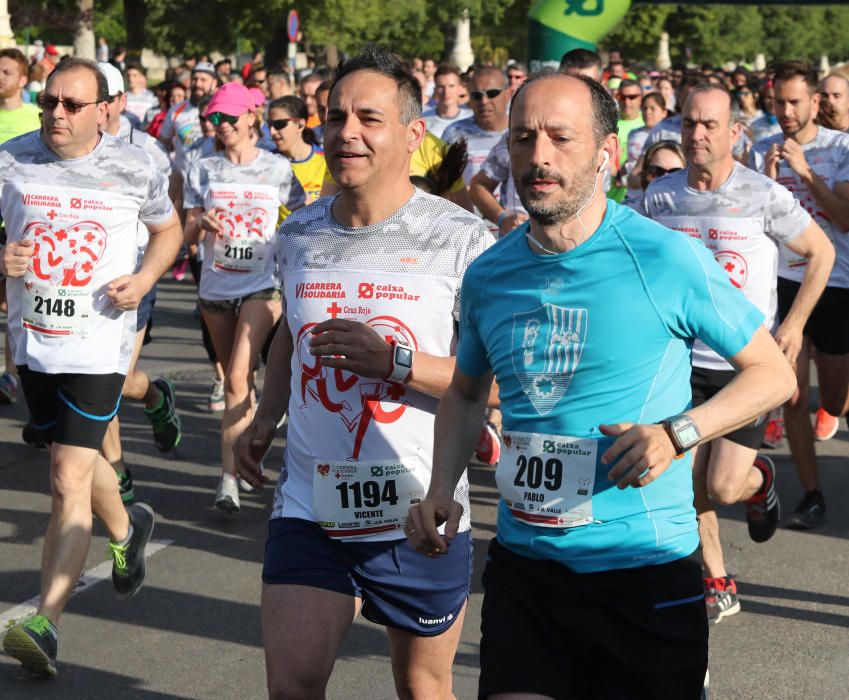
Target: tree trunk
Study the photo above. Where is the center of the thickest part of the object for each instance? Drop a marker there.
(84, 38)
(135, 13)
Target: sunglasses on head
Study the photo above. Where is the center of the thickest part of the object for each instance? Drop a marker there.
(216, 118)
(49, 103)
(280, 124)
(657, 171)
(492, 93)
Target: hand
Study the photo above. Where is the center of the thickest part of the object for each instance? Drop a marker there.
(209, 221)
(794, 155)
(789, 338)
(16, 257)
(771, 158)
(644, 453)
(424, 518)
(352, 346)
(127, 291)
(250, 447)
(511, 221)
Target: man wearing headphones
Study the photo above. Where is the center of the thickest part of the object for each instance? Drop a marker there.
(585, 316)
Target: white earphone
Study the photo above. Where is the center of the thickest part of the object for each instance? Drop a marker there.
(605, 159)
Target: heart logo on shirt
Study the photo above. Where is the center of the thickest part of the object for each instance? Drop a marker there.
(66, 253)
(244, 224)
(356, 400)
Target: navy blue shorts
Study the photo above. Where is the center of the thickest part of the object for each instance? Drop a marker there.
(145, 309)
(399, 587)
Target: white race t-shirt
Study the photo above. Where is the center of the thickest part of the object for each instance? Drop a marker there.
(241, 259)
(742, 222)
(181, 127)
(828, 156)
(437, 125)
(479, 143)
(359, 451)
(83, 214)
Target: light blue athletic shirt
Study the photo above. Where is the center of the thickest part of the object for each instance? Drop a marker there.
(601, 334)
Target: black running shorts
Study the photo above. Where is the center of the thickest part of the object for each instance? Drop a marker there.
(705, 384)
(72, 409)
(626, 634)
(828, 325)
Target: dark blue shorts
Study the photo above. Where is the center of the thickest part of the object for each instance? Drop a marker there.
(399, 587)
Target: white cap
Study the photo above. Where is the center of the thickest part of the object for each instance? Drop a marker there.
(114, 79)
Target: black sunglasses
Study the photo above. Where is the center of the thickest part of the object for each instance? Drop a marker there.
(217, 117)
(492, 93)
(49, 103)
(623, 96)
(657, 171)
(280, 124)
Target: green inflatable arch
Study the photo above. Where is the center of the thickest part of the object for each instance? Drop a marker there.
(558, 26)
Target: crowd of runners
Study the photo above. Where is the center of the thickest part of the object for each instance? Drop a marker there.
(607, 282)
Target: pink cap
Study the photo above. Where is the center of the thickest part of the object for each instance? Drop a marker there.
(258, 96)
(51, 50)
(231, 98)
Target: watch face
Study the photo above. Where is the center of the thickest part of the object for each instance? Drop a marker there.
(403, 356)
(687, 434)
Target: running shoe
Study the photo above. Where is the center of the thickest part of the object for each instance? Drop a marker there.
(774, 433)
(763, 510)
(216, 397)
(488, 449)
(179, 272)
(809, 513)
(128, 562)
(8, 388)
(125, 486)
(721, 598)
(825, 425)
(34, 642)
(227, 495)
(164, 418)
(36, 437)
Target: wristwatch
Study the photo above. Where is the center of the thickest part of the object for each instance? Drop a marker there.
(402, 361)
(683, 432)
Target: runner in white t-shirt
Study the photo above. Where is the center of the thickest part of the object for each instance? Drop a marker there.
(72, 199)
(371, 283)
(447, 110)
(741, 217)
(233, 200)
(813, 163)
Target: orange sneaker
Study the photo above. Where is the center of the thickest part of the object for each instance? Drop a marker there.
(825, 426)
(774, 433)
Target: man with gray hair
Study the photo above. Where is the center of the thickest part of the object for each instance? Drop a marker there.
(488, 98)
(742, 217)
(72, 200)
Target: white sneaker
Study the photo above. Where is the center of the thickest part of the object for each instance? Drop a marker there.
(227, 496)
(216, 397)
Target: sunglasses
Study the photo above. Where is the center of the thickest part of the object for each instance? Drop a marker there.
(657, 171)
(49, 103)
(491, 94)
(623, 96)
(216, 118)
(743, 93)
(280, 124)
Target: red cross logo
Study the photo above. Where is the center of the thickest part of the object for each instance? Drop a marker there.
(334, 310)
(51, 215)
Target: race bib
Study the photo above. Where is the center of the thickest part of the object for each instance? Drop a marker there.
(548, 480)
(238, 255)
(352, 499)
(56, 311)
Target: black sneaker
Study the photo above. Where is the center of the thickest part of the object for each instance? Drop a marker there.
(36, 437)
(164, 418)
(125, 486)
(763, 510)
(34, 642)
(809, 513)
(128, 563)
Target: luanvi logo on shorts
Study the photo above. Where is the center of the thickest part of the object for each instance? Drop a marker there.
(547, 347)
(436, 620)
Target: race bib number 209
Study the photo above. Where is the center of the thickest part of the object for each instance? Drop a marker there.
(548, 480)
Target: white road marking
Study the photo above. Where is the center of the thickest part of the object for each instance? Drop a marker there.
(99, 573)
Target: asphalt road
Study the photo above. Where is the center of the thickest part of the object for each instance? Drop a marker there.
(193, 631)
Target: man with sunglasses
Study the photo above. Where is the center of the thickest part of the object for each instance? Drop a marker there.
(629, 97)
(742, 217)
(488, 97)
(72, 200)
